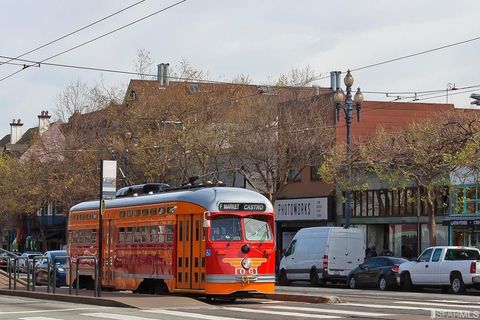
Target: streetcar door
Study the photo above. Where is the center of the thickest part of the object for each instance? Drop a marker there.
(108, 254)
(190, 249)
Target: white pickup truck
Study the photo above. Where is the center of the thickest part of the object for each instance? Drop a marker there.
(447, 267)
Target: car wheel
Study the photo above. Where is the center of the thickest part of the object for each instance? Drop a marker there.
(407, 281)
(352, 283)
(283, 280)
(456, 284)
(314, 281)
(382, 284)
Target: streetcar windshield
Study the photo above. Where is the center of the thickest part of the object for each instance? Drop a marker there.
(226, 228)
(257, 228)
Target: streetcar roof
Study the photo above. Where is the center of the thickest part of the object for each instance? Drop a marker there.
(208, 198)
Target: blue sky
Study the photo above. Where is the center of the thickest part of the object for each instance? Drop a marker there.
(262, 39)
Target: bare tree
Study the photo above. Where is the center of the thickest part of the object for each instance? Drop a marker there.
(143, 64)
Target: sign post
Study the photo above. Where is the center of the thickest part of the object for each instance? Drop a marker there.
(108, 175)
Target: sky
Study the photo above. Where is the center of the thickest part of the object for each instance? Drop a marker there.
(259, 38)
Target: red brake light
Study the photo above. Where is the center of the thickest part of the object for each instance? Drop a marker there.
(473, 267)
(325, 262)
(395, 268)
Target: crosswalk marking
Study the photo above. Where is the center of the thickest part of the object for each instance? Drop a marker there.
(439, 304)
(400, 307)
(52, 310)
(159, 311)
(292, 314)
(334, 311)
(114, 316)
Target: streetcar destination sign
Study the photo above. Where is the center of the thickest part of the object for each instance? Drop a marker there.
(242, 207)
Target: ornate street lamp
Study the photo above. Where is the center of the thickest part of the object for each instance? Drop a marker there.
(345, 102)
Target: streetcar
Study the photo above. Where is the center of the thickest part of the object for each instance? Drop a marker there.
(209, 240)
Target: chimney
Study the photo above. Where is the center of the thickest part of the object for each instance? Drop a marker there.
(162, 74)
(43, 122)
(15, 131)
(333, 80)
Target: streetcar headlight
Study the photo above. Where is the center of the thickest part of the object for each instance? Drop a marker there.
(247, 263)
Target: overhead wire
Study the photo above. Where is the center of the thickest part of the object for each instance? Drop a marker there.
(101, 36)
(73, 32)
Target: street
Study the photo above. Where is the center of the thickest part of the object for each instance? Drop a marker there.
(356, 304)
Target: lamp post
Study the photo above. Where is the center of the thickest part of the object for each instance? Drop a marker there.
(345, 102)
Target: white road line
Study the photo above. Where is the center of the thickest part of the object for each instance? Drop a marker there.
(39, 318)
(51, 310)
(292, 314)
(456, 301)
(463, 305)
(399, 307)
(334, 311)
(158, 311)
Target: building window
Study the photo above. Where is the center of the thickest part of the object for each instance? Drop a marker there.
(294, 175)
(465, 200)
(314, 176)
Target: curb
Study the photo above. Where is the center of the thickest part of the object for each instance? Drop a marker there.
(299, 298)
(104, 302)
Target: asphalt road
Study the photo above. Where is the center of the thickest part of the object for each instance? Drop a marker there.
(357, 304)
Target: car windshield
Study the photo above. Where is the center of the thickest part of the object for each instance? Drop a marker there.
(462, 254)
(226, 228)
(59, 260)
(257, 228)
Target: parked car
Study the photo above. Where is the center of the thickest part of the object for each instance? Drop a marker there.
(321, 254)
(380, 272)
(4, 255)
(447, 267)
(21, 264)
(41, 268)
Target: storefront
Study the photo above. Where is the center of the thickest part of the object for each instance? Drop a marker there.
(293, 214)
(464, 231)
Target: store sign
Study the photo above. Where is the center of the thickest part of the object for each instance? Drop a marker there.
(301, 209)
(460, 222)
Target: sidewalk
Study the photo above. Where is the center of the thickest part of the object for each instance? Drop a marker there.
(143, 301)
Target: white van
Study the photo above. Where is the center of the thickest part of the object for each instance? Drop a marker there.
(322, 254)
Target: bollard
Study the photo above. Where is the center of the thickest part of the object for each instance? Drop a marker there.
(77, 273)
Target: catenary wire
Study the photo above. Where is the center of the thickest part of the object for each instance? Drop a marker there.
(99, 37)
(73, 32)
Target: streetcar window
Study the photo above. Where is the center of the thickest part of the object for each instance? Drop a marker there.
(138, 212)
(170, 210)
(145, 212)
(129, 213)
(94, 216)
(161, 210)
(169, 232)
(257, 228)
(75, 236)
(128, 234)
(137, 237)
(70, 236)
(122, 214)
(93, 236)
(226, 228)
(144, 233)
(153, 211)
(153, 234)
(81, 237)
(121, 234)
